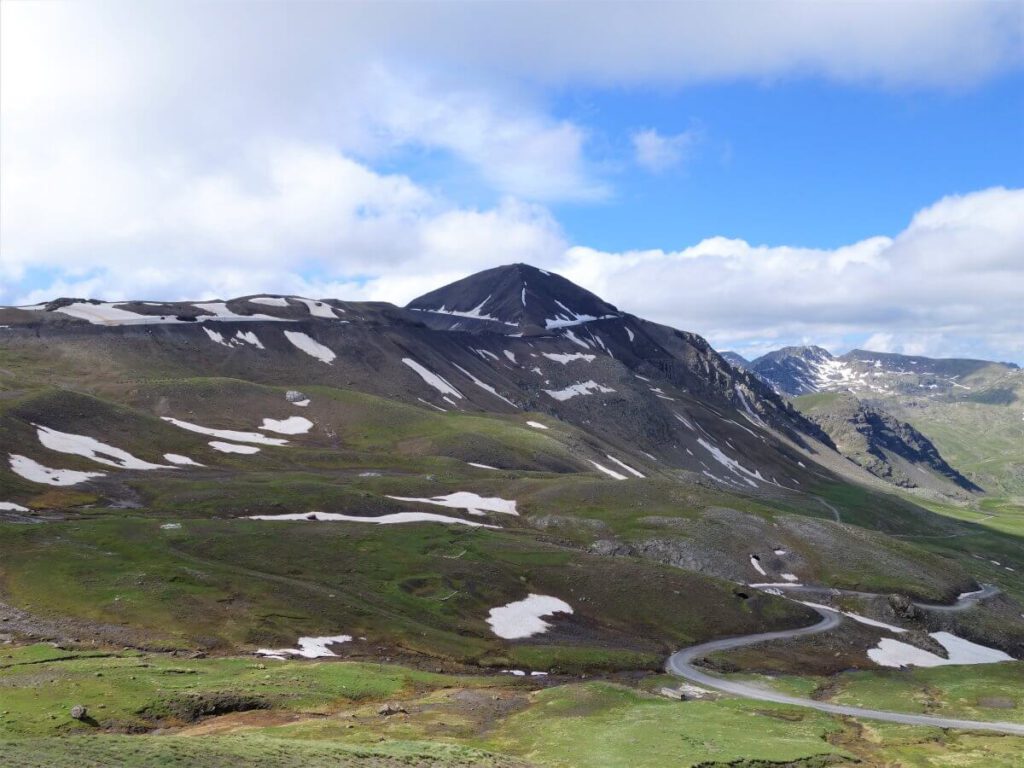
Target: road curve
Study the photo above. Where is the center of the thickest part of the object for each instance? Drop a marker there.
(680, 664)
(965, 601)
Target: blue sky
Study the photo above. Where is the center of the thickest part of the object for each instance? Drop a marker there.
(764, 173)
(801, 162)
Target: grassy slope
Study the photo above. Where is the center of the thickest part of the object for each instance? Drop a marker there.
(426, 588)
(318, 714)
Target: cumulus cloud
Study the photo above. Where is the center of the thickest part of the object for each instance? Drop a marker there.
(265, 159)
(952, 282)
(657, 152)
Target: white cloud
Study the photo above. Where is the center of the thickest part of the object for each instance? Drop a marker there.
(152, 149)
(657, 152)
(952, 282)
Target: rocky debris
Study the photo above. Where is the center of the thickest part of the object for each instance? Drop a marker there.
(79, 712)
(903, 607)
(192, 707)
(294, 396)
(388, 709)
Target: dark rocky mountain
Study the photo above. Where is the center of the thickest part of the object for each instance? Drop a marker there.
(885, 446)
(516, 295)
(735, 360)
(508, 340)
(798, 371)
(968, 409)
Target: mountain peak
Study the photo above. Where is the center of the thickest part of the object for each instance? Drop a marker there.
(517, 296)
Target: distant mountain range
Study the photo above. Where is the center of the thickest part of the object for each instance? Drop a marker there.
(882, 406)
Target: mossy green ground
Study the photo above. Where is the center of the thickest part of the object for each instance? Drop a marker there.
(325, 714)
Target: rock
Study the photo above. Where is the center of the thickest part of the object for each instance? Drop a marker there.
(386, 710)
(903, 607)
(294, 396)
(78, 712)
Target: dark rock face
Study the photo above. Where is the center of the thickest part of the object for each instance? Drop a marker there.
(515, 295)
(737, 361)
(793, 370)
(876, 440)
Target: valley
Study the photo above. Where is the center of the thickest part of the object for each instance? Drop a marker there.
(281, 531)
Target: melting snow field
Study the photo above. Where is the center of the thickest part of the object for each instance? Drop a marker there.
(625, 466)
(227, 434)
(309, 648)
(310, 346)
(90, 448)
(184, 461)
(582, 388)
(895, 653)
(10, 506)
(396, 518)
(857, 617)
(565, 359)
(473, 503)
(221, 312)
(269, 301)
(610, 472)
(731, 464)
(523, 617)
(473, 313)
(437, 382)
(109, 314)
(37, 473)
(293, 425)
(223, 447)
(319, 308)
(484, 385)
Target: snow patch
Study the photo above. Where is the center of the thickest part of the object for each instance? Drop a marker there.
(895, 653)
(311, 346)
(625, 466)
(473, 313)
(318, 308)
(473, 503)
(756, 562)
(437, 382)
(480, 466)
(568, 358)
(523, 618)
(309, 648)
(90, 448)
(511, 356)
(110, 314)
(857, 617)
(223, 447)
(484, 385)
(293, 425)
(582, 388)
(10, 506)
(536, 425)
(610, 472)
(227, 434)
(396, 518)
(269, 301)
(37, 473)
(731, 464)
(184, 461)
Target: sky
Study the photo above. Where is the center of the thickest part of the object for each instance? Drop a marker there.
(763, 173)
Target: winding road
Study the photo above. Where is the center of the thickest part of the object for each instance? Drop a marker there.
(681, 665)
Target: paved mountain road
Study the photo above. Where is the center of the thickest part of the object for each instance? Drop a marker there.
(681, 665)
